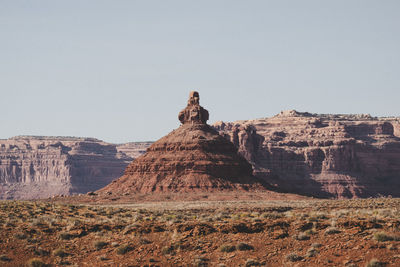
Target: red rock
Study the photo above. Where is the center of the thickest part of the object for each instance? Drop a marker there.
(193, 157)
(193, 113)
(339, 156)
(41, 167)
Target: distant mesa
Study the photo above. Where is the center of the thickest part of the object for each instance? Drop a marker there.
(44, 166)
(322, 155)
(193, 157)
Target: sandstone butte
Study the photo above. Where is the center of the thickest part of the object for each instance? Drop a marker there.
(192, 158)
(322, 155)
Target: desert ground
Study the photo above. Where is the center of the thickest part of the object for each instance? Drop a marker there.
(302, 232)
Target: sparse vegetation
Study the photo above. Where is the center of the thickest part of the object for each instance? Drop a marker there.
(375, 263)
(311, 252)
(227, 248)
(251, 262)
(316, 245)
(222, 233)
(382, 237)
(332, 231)
(100, 244)
(20, 236)
(36, 262)
(167, 250)
(65, 236)
(4, 258)
(243, 246)
(302, 236)
(293, 257)
(123, 249)
(60, 253)
(200, 261)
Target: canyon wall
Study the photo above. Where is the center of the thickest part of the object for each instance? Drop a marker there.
(334, 156)
(38, 167)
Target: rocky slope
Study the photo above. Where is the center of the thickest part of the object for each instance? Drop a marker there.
(37, 167)
(193, 157)
(338, 156)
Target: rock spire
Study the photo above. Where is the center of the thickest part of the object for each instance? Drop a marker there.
(193, 157)
(193, 113)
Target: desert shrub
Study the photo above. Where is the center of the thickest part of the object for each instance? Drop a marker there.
(103, 258)
(40, 252)
(293, 257)
(316, 245)
(36, 262)
(251, 262)
(391, 247)
(311, 252)
(88, 215)
(310, 232)
(144, 241)
(315, 217)
(227, 248)
(305, 226)
(75, 223)
(200, 261)
(382, 237)
(4, 258)
(375, 263)
(60, 253)
(167, 250)
(20, 236)
(100, 244)
(10, 223)
(243, 246)
(272, 215)
(65, 236)
(302, 236)
(332, 230)
(39, 222)
(130, 228)
(32, 240)
(123, 249)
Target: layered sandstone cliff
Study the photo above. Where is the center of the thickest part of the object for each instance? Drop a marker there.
(338, 156)
(192, 158)
(38, 167)
(312, 154)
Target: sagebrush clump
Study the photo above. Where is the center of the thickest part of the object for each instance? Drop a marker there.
(293, 257)
(382, 237)
(123, 249)
(227, 248)
(36, 262)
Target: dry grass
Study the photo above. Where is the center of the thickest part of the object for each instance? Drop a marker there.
(230, 233)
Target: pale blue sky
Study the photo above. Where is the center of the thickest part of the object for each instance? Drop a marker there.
(122, 70)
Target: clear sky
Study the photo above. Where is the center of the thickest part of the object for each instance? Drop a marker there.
(122, 70)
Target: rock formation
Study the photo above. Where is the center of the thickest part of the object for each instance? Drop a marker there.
(339, 156)
(193, 113)
(39, 167)
(132, 150)
(311, 154)
(193, 157)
